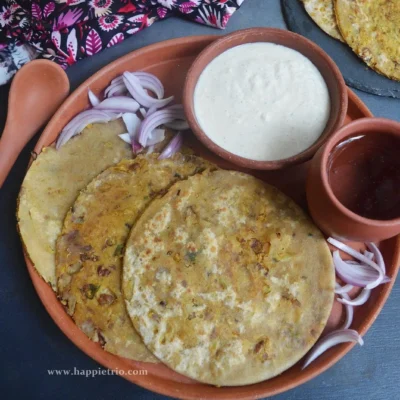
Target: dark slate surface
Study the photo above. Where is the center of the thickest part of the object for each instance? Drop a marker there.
(355, 72)
(31, 343)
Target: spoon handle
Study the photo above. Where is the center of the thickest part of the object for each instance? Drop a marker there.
(9, 153)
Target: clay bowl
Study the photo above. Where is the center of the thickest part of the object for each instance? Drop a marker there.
(328, 212)
(328, 69)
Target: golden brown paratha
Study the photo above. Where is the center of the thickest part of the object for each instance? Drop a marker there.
(371, 29)
(227, 280)
(323, 14)
(90, 249)
(52, 183)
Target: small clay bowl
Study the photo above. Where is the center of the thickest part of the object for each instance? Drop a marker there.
(328, 69)
(331, 216)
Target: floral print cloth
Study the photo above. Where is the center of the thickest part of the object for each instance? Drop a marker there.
(66, 31)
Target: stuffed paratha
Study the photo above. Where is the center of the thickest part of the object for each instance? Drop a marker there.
(90, 249)
(227, 280)
(371, 29)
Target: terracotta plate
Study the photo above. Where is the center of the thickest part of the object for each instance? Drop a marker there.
(170, 61)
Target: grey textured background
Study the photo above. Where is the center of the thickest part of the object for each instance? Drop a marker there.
(31, 343)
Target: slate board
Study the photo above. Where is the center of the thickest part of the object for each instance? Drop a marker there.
(355, 72)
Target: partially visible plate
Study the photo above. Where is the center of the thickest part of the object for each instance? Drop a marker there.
(170, 61)
(356, 73)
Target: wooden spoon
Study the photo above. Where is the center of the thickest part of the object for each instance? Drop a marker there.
(36, 92)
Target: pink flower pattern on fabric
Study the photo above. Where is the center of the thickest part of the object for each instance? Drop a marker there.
(69, 30)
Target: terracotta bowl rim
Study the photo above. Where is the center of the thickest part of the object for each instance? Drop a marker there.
(350, 129)
(338, 118)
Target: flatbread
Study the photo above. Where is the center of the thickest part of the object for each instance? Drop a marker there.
(227, 280)
(371, 29)
(90, 249)
(53, 182)
(323, 14)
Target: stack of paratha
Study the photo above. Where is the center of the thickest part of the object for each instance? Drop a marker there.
(214, 273)
(369, 27)
(52, 183)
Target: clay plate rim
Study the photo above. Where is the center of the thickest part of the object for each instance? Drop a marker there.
(331, 73)
(157, 384)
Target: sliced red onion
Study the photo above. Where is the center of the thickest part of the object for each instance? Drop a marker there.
(354, 253)
(125, 137)
(156, 119)
(150, 111)
(175, 107)
(114, 105)
(345, 289)
(115, 89)
(94, 100)
(357, 255)
(77, 119)
(356, 274)
(143, 112)
(150, 82)
(118, 79)
(368, 254)
(136, 146)
(332, 339)
(112, 114)
(178, 125)
(359, 300)
(147, 81)
(349, 311)
(80, 122)
(157, 136)
(121, 104)
(378, 256)
(136, 90)
(132, 123)
(173, 147)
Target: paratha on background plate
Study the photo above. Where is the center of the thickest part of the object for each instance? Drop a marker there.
(323, 14)
(91, 246)
(53, 182)
(371, 29)
(227, 280)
